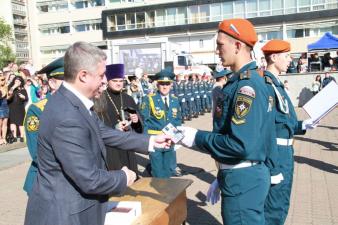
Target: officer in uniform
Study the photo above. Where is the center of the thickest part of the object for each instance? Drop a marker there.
(287, 125)
(218, 99)
(158, 110)
(54, 72)
(179, 91)
(188, 87)
(242, 145)
(203, 95)
(196, 95)
(209, 84)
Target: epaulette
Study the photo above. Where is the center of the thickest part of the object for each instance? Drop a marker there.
(268, 80)
(174, 96)
(41, 104)
(245, 75)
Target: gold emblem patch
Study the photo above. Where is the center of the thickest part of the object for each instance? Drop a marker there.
(242, 106)
(32, 123)
(174, 110)
(143, 105)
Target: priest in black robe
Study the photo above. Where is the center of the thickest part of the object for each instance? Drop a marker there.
(118, 110)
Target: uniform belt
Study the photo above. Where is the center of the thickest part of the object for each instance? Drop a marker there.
(155, 132)
(284, 142)
(247, 163)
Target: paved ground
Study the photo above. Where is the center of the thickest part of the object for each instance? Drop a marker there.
(314, 195)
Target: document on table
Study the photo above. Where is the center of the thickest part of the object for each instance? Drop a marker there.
(323, 102)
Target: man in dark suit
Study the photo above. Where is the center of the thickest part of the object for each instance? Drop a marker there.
(73, 183)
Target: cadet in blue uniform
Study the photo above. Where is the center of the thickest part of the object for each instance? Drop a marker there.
(203, 95)
(243, 144)
(278, 200)
(196, 94)
(54, 72)
(157, 111)
(190, 96)
(179, 91)
(209, 85)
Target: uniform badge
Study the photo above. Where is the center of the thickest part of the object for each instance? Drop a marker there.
(174, 111)
(32, 123)
(270, 103)
(242, 106)
(247, 90)
(143, 105)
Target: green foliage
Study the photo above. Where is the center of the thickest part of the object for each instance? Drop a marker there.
(6, 53)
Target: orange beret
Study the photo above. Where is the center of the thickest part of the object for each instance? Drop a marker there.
(276, 46)
(240, 29)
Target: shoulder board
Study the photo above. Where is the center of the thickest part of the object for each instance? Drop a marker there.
(268, 80)
(245, 75)
(41, 104)
(174, 96)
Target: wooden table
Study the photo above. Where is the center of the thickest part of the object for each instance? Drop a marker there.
(164, 201)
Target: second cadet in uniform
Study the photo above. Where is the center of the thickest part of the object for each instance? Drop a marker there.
(158, 110)
(277, 54)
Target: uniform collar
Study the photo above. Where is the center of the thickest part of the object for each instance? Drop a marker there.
(249, 66)
(276, 81)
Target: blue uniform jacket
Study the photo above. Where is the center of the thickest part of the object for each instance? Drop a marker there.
(31, 124)
(287, 125)
(246, 133)
(155, 117)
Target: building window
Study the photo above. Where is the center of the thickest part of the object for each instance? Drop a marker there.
(49, 29)
(251, 8)
(150, 19)
(271, 35)
(215, 12)
(181, 16)
(111, 24)
(83, 26)
(140, 20)
(227, 10)
(201, 44)
(121, 22)
(298, 33)
(160, 18)
(277, 7)
(239, 9)
(171, 15)
(193, 14)
(130, 21)
(204, 13)
(264, 8)
(290, 6)
(304, 5)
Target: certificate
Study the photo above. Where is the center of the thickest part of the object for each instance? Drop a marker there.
(323, 102)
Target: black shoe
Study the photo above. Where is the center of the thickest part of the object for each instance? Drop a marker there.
(15, 140)
(201, 113)
(189, 118)
(22, 139)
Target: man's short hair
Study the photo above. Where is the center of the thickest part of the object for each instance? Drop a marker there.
(82, 56)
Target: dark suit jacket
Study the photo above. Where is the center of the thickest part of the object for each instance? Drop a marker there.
(73, 183)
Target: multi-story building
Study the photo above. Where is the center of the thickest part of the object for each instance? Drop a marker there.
(151, 31)
(14, 12)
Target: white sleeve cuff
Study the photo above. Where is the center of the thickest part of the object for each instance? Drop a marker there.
(151, 144)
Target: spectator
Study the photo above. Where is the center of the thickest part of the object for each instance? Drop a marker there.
(44, 90)
(30, 67)
(17, 96)
(327, 79)
(316, 85)
(286, 87)
(301, 67)
(32, 89)
(4, 111)
(292, 67)
(327, 61)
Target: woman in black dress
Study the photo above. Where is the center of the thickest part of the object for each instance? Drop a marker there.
(17, 97)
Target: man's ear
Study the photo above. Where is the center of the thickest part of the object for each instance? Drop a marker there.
(82, 75)
(273, 57)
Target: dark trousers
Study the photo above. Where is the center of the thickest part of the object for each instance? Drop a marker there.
(162, 163)
(243, 194)
(278, 200)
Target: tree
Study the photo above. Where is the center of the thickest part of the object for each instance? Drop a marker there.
(6, 53)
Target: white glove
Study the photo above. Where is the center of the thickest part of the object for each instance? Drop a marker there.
(214, 192)
(308, 124)
(277, 178)
(189, 136)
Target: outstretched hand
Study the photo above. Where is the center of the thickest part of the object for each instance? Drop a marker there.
(162, 141)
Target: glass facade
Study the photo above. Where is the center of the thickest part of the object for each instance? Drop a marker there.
(214, 12)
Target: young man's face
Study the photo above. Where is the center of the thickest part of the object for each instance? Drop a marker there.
(225, 49)
(115, 84)
(164, 87)
(282, 61)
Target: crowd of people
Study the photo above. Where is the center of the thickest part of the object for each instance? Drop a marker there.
(19, 87)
